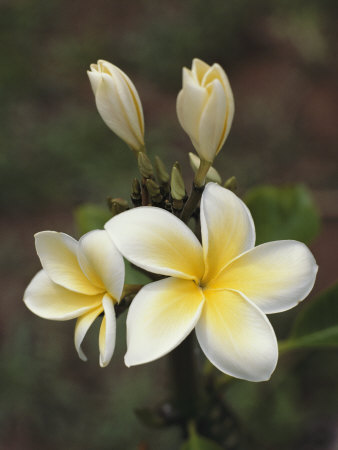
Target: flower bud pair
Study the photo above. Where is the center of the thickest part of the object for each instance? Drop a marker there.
(205, 105)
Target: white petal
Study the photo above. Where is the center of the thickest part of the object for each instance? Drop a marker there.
(101, 262)
(227, 228)
(276, 276)
(236, 336)
(107, 331)
(51, 301)
(58, 256)
(127, 99)
(83, 324)
(230, 101)
(157, 241)
(111, 110)
(199, 68)
(160, 317)
(94, 78)
(137, 104)
(213, 122)
(189, 107)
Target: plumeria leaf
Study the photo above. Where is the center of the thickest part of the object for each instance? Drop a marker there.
(134, 275)
(317, 324)
(283, 213)
(196, 442)
(90, 217)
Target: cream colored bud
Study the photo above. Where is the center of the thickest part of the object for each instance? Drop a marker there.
(118, 103)
(212, 174)
(205, 107)
(177, 183)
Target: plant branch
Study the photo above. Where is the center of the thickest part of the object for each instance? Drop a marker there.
(185, 380)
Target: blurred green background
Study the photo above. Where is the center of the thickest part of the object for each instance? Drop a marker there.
(56, 153)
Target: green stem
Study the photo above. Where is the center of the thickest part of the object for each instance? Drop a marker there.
(201, 173)
(196, 192)
(192, 202)
(185, 380)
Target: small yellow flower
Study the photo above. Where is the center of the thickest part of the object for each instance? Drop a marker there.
(79, 279)
(118, 103)
(223, 288)
(205, 107)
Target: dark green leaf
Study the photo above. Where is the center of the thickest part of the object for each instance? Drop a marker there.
(283, 213)
(90, 217)
(134, 276)
(317, 324)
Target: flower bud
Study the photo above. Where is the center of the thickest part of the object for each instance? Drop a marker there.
(161, 172)
(118, 103)
(231, 184)
(205, 107)
(177, 183)
(212, 174)
(117, 205)
(154, 191)
(144, 165)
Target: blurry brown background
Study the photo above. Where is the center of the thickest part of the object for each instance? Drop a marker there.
(56, 153)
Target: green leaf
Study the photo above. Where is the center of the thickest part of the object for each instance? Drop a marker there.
(90, 217)
(283, 213)
(134, 276)
(196, 442)
(317, 324)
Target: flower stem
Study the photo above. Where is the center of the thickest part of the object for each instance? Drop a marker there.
(196, 192)
(201, 173)
(185, 380)
(192, 202)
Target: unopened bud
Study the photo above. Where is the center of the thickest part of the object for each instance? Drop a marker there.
(177, 183)
(154, 191)
(231, 184)
(144, 165)
(205, 101)
(136, 187)
(161, 172)
(118, 103)
(153, 188)
(117, 205)
(136, 196)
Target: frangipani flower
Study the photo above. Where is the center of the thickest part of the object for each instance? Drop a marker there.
(118, 102)
(79, 280)
(222, 288)
(205, 107)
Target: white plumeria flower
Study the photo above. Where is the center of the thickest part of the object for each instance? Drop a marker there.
(118, 102)
(223, 288)
(205, 107)
(79, 279)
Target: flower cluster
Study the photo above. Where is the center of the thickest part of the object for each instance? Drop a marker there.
(221, 284)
